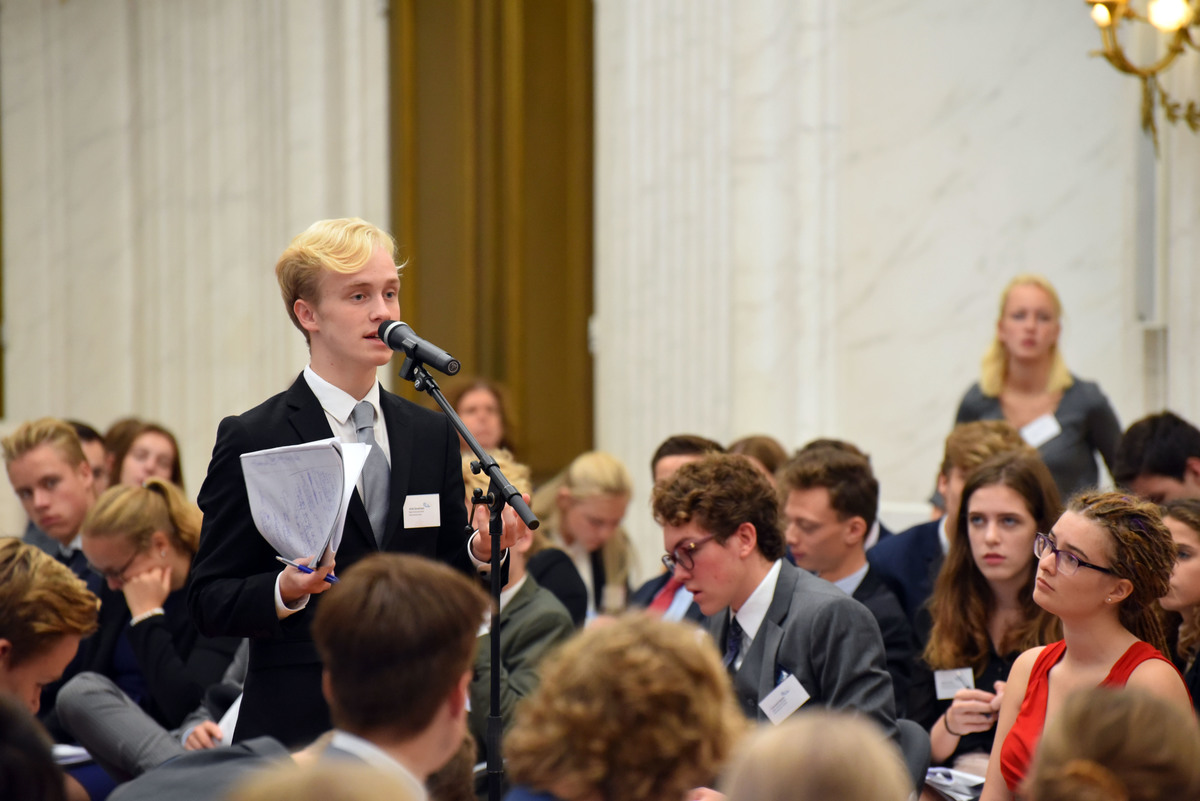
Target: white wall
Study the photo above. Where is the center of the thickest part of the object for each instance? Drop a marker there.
(806, 212)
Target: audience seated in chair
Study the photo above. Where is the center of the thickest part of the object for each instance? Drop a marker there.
(1159, 458)
(146, 451)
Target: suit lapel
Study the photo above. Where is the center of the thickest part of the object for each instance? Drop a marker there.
(400, 442)
(308, 420)
(761, 662)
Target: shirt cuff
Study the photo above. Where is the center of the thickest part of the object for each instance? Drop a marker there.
(158, 610)
(282, 610)
(483, 567)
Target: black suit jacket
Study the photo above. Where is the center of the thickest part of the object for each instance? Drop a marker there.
(232, 586)
(899, 642)
(908, 564)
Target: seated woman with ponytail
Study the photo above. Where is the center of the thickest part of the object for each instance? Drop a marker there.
(1101, 570)
(142, 540)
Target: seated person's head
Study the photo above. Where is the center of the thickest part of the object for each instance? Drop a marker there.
(45, 610)
(830, 497)
(818, 755)
(1159, 458)
(720, 519)
(678, 450)
(588, 500)
(480, 402)
(52, 479)
(145, 452)
(326, 258)
(968, 446)
(134, 529)
(397, 641)
(638, 710)
(765, 452)
(1116, 745)
(94, 451)
(27, 766)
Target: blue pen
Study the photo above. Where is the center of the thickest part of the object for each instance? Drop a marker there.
(332, 579)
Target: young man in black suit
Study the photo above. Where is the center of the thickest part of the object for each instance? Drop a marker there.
(339, 281)
(829, 498)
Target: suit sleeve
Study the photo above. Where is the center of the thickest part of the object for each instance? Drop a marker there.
(848, 659)
(232, 586)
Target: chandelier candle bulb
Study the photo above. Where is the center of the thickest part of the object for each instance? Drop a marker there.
(1169, 15)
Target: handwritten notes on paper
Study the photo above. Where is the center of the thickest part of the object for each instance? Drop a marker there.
(299, 494)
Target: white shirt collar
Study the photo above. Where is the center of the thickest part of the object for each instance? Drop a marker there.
(848, 584)
(509, 592)
(754, 610)
(377, 758)
(943, 538)
(336, 402)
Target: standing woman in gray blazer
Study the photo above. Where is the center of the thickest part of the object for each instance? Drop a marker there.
(1024, 380)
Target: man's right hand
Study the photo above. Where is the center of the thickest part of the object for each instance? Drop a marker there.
(294, 584)
(206, 734)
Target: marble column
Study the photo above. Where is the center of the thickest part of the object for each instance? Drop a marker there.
(157, 159)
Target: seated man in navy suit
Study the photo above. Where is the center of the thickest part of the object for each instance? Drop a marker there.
(789, 638)
(339, 281)
(908, 563)
(663, 595)
(829, 500)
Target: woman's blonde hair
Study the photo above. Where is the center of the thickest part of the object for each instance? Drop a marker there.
(135, 513)
(818, 756)
(589, 474)
(993, 369)
(637, 710)
(1121, 744)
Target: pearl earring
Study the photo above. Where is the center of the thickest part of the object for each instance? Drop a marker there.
(1108, 600)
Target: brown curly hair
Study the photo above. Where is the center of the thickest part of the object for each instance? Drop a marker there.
(720, 492)
(1143, 552)
(962, 600)
(638, 710)
(1187, 511)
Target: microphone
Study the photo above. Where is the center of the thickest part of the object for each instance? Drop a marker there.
(400, 336)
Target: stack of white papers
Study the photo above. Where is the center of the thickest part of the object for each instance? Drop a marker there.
(954, 784)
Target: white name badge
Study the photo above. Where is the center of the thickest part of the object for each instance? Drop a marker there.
(1041, 430)
(949, 682)
(785, 699)
(422, 511)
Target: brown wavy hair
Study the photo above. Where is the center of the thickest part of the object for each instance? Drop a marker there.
(1142, 552)
(40, 601)
(638, 710)
(962, 602)
(1187, 511)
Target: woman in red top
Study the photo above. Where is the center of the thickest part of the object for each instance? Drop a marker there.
(1101, 569)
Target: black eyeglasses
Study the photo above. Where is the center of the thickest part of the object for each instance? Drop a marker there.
(683, 555)
(1065, 562)
(115, 575)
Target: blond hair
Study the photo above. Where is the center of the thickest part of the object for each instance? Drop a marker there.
(1123, 744)
(519, 475)
(44, 431)
(590, 474)
(971, 444)
(41, 600)
(637, 710)
(818, 756)
(993, 369)
(342, 245)
(135, 513)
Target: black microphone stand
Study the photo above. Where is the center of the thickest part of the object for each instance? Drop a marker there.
(500, 493)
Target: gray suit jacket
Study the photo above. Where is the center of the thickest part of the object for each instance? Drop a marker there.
(826, 639)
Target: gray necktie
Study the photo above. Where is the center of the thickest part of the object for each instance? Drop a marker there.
(376, 474)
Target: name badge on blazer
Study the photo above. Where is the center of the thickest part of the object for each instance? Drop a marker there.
(422, 511)
(785, 699)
